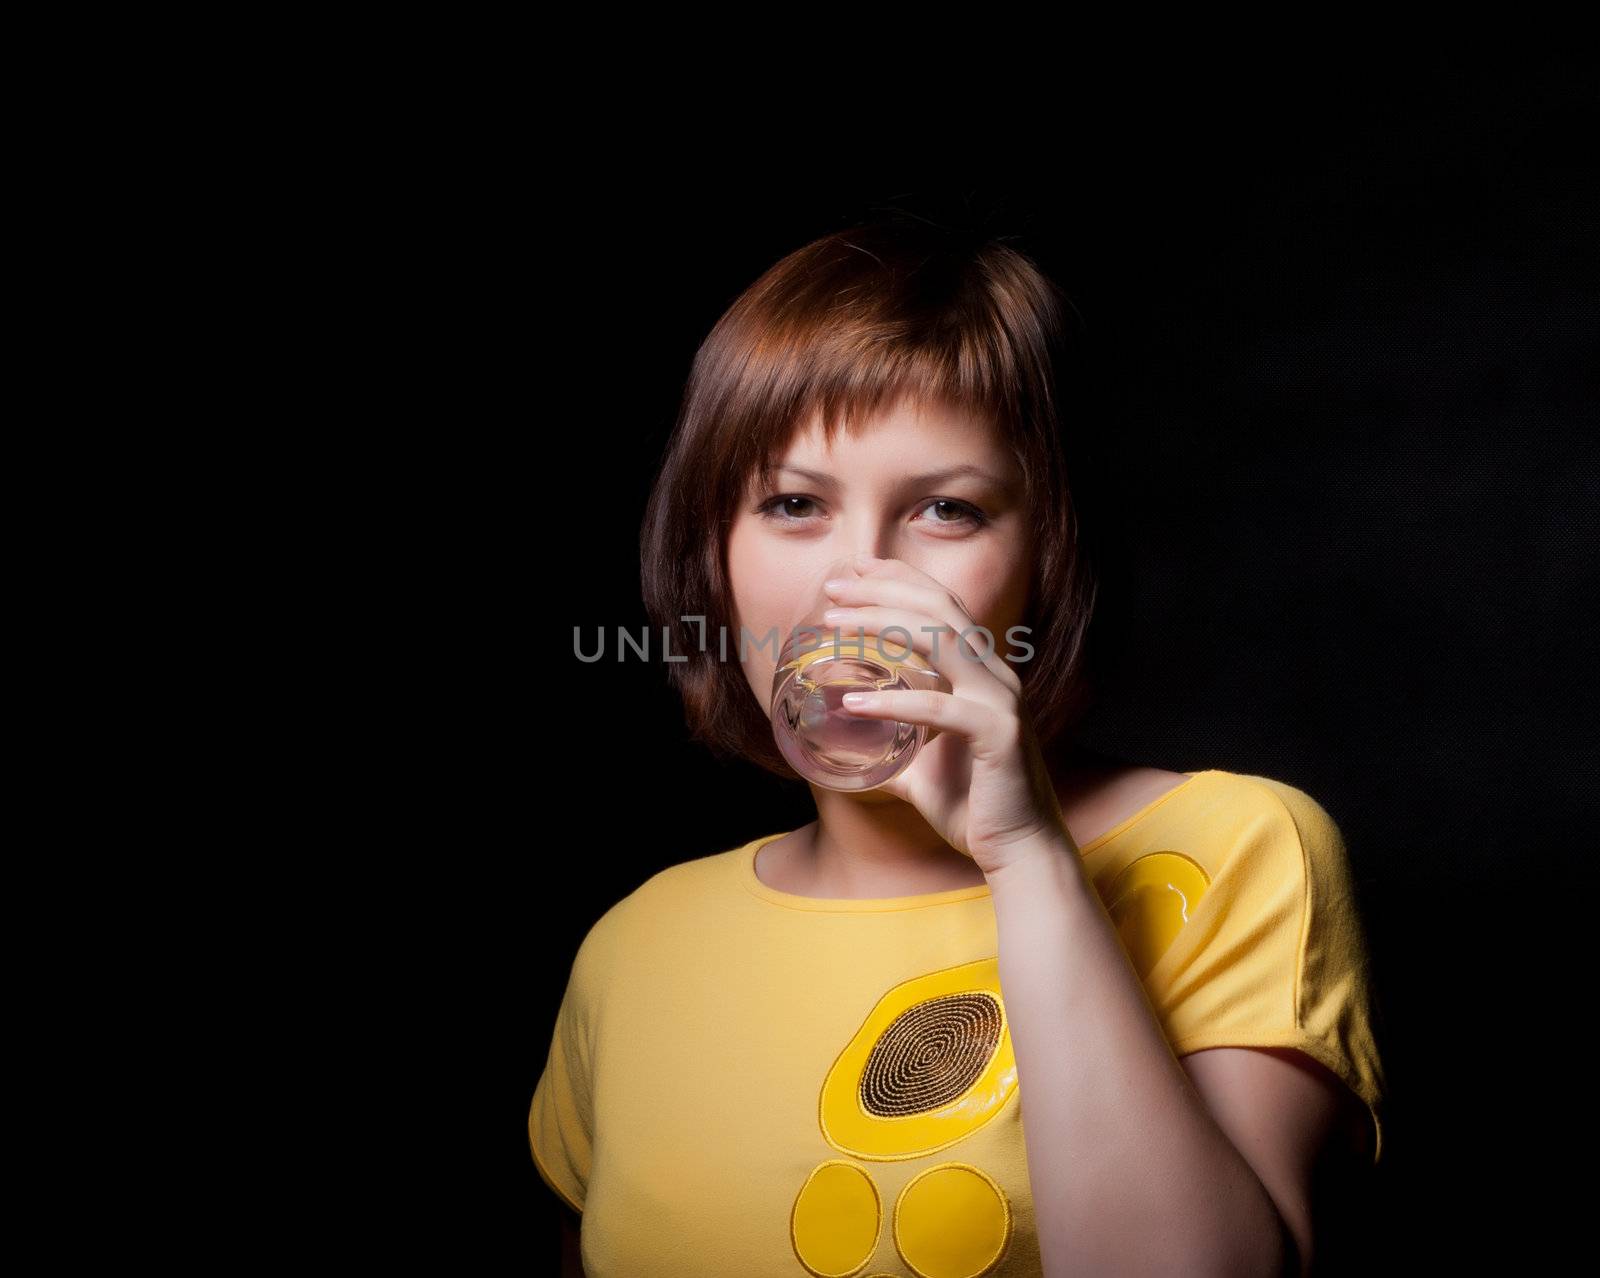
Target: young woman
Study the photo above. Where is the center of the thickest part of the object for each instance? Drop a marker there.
(1020, 1010)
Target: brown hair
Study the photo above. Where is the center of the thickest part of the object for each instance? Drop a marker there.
(846, 326)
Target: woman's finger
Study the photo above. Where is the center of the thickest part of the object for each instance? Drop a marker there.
(894, 629)
(940, 606)
(978, 725)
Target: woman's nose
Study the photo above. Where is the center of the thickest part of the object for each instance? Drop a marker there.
(871, 538)
(848, 563)
(844, 566)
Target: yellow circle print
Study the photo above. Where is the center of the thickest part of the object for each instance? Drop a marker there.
(952, 1221)
(1151, 900)
(835, 1220)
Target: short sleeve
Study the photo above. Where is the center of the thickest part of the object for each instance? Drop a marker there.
(1275, 953)
(561, 1118)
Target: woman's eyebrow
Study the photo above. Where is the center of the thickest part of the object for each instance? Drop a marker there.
(930, 477)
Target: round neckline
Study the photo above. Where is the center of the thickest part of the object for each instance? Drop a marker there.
(890, 904)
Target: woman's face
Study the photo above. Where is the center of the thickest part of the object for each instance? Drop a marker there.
(884, 491)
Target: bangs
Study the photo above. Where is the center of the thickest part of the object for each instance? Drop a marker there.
(851, 327)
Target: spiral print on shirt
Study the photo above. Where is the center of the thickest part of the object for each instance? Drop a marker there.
(931, 1053)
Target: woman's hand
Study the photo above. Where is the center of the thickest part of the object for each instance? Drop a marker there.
(981, 782)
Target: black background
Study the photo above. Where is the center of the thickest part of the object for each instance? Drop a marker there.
(1342, 369)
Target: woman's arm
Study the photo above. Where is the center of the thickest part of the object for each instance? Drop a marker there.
(571, 1260)
(1130, 1173)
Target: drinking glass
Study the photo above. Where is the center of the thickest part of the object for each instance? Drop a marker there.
(817, 665)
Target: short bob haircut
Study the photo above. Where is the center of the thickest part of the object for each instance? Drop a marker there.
(846, 326)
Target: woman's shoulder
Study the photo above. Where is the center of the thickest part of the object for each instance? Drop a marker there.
(1092, 812)
(1267, 827)
(1090, 780)
(1271, 803)
(1099, 793)
(664, 919)
(673, 892)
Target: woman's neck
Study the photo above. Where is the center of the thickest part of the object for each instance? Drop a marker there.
(872, 844)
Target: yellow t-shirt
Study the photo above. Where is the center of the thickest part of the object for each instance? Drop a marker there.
(747, 1082)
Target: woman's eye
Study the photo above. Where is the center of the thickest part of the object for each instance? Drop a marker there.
(959, 511)
(773, 505)
(781, 509)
